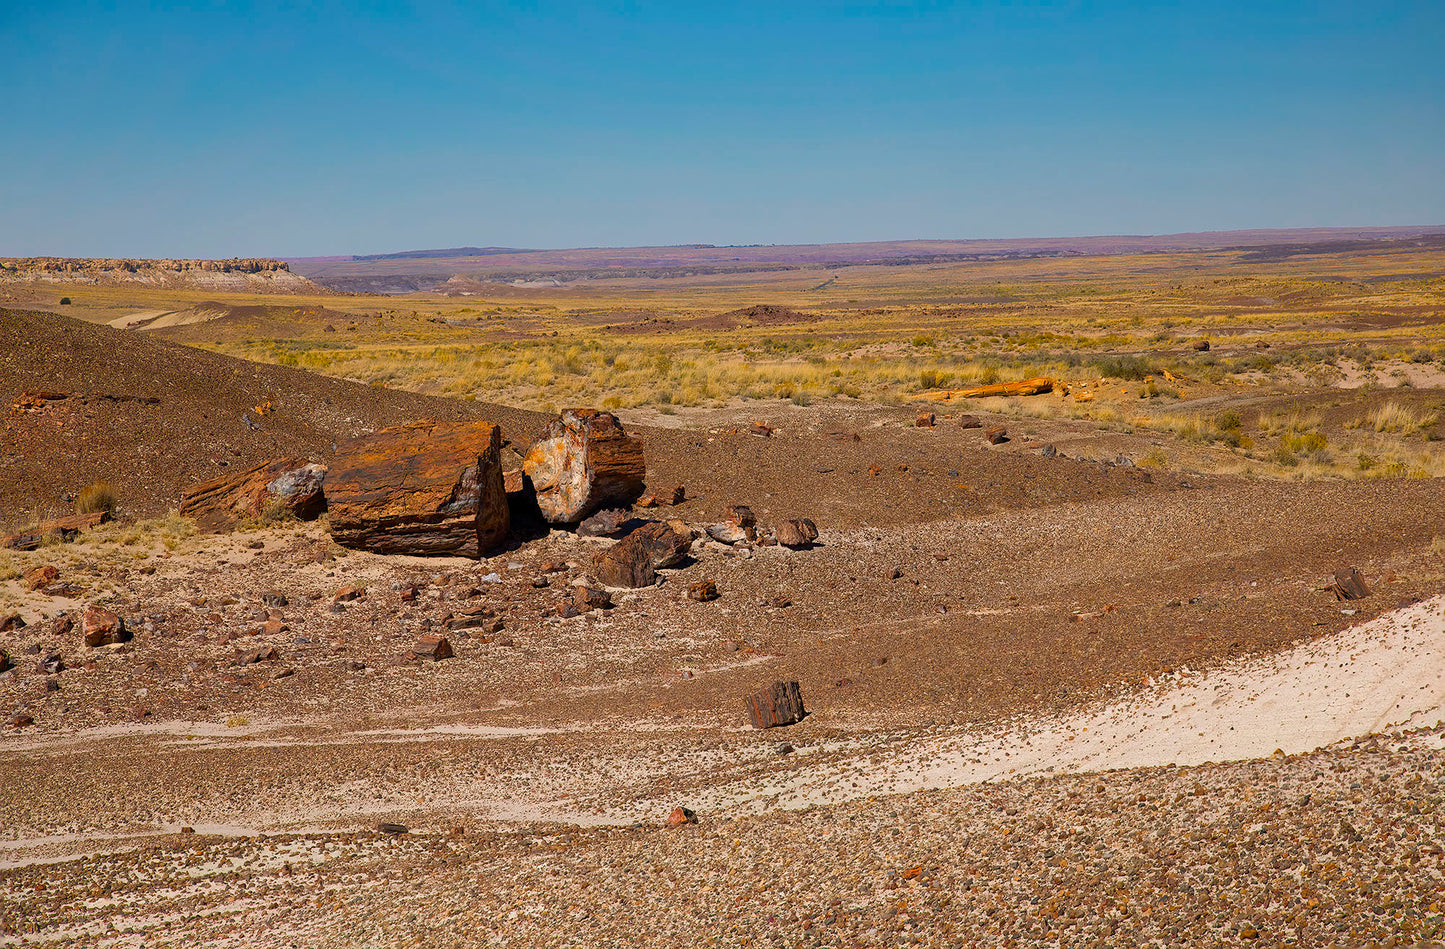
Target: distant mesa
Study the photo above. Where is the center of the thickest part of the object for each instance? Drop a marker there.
(254, 274)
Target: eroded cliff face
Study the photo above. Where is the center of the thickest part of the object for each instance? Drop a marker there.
(251, 273)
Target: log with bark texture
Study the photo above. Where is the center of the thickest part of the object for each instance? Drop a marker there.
(223, 502)
(779, 704)
(1026, 387)
(584, 461)
(423, 488)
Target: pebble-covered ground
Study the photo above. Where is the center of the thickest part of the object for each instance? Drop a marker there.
(1342, 847)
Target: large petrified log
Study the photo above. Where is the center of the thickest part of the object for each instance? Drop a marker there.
(584, 461)
(65, 528)
(1036, 386)
(422, 488)
(288, 483)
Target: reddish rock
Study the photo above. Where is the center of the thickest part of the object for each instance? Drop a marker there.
(925, 420)
(779, 704)
(102, 627)
(996, 435)
(12, 622)
(584, 461)
(970, 421)
(285, 484)
(41, 577)
(347, 594)
(679, 495)
(21, 720)
(740, 525)
(680, 817)
(5, 664)
(251, 657)
(65, 528)
(703, 592)
(433, 647)
(586, 599)
(1201, 345)
(647, 500)
(761, 430)
(423, 488)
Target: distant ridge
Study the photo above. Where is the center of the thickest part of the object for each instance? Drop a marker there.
(435, 270)
(443, 252)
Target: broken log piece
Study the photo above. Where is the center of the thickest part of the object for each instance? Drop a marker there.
(433, 647)
(422, 488)
(64, 528)
(925, 420)
(779, 704)
(996, 435)
(584, 461)
(102, 628)
(634, 561)
(608, 523)
(703, 592)
(1349, 585)
(585, 599)
(289, 484)
(970, 421)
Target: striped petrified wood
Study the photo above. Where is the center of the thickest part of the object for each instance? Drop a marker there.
(584, 461)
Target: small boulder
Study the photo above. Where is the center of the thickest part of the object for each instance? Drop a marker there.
(703, 592)
(996, 435)
(12, 622)
(970, 421)
(433, 647)
(925, 420)
(101, 627)
(1201, 345)
(1349, 585)
(797, 534)
(609, 523)
(41, 577)
(681, 817)
(586, 599)
(634, 561)
(581, 462)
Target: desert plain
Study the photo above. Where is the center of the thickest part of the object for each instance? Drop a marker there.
(1081, 667)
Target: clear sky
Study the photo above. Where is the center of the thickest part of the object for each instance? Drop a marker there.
(240, 129)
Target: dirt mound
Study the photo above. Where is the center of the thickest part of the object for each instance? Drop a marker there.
(763, 314)
(152, 417)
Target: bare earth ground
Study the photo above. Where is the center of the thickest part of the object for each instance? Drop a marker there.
(972, 617)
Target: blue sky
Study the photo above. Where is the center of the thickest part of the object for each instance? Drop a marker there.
(238, 129)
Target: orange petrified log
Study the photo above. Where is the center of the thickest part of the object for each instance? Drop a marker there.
(1026, 387)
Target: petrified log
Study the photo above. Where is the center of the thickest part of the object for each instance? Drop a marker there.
(779, 704)
(64, 528)
(433, 647)
(996, 435)
(1034, 386)
(422, 488)
(1349, 585)
(221, 503)
(634, 560)
(101, 627)
(583, 461)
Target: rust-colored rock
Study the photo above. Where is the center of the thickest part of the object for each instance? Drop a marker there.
(347, 594)
(101, 627)
(586, 599)
(584, 461)
(12, 622)
(704, 592)
(1201, 345)
(433, 647)
(1349, 585)
(285, 484)
(41, 577)
(681, 817)
(634, 561)
(761, 430)
(925, 420)
(740, 525)
(679, 495)
(423, 488)
(996, 435)
(970, 421)
(779, 704)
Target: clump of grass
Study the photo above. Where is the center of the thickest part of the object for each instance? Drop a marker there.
(1154, 458)
(1135, 368)
(98, 497)
(1396, 419)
